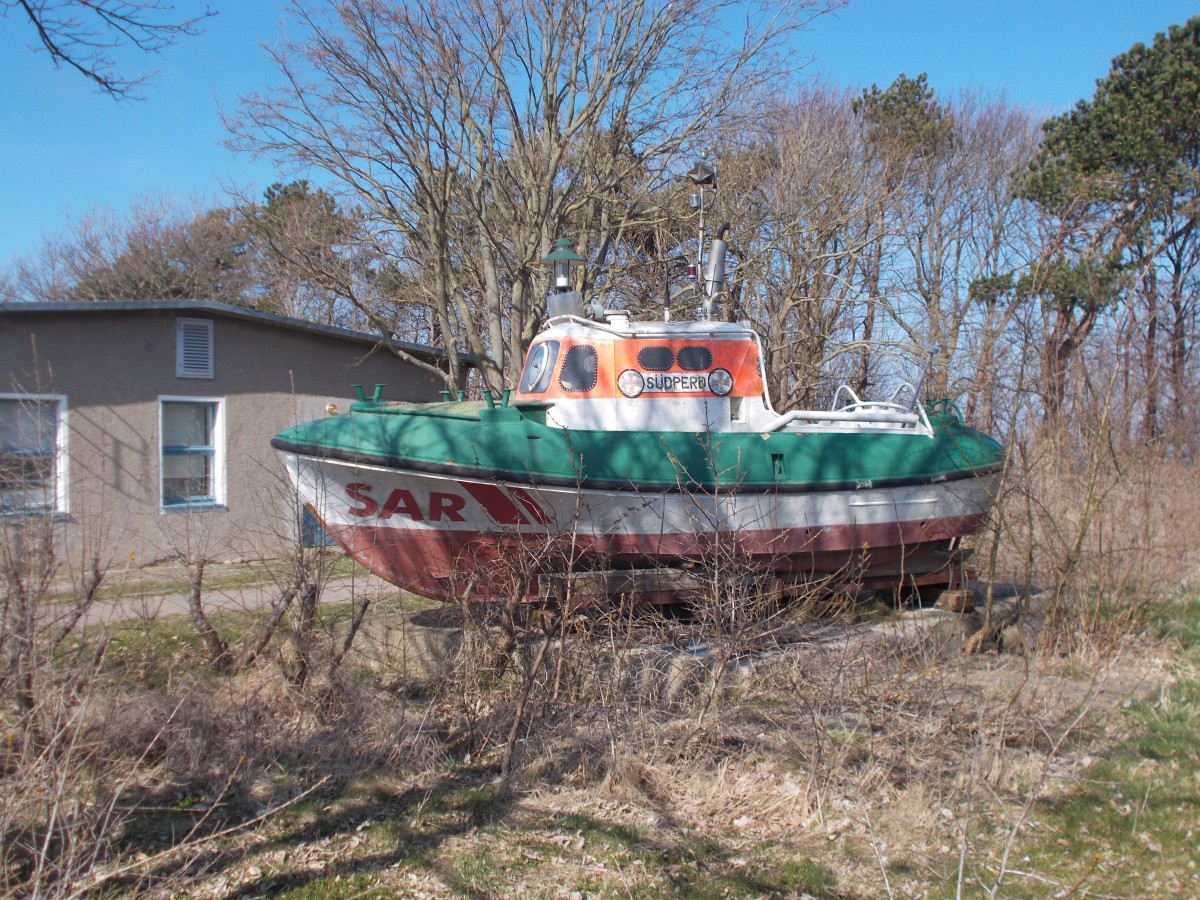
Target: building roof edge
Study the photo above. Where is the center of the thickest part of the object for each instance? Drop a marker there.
(228, 310)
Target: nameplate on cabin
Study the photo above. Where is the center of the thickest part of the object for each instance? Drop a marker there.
(675, 383)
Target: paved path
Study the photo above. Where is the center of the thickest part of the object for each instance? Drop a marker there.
(140, 604)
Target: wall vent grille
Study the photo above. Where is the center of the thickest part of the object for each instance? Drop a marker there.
(194, 348)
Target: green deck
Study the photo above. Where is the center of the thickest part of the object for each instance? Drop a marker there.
(513, 443)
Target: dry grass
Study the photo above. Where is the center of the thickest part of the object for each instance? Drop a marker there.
(835, 750)
(1109, 532)
(853, 763)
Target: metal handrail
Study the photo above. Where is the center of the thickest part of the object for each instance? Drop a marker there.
(884, 412)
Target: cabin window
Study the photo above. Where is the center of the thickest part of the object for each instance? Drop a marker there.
(579, 369)
(656, 359)
(540, 363)
(32, 453)
(192, 460)
(695, 359)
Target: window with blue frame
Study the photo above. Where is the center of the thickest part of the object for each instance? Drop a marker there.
(191, 457)
(31, 453)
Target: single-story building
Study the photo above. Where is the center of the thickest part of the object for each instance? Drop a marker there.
(145, 427)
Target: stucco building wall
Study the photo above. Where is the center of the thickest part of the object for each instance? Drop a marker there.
(114, 367)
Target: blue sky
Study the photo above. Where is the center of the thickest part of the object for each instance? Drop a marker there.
(65, 150)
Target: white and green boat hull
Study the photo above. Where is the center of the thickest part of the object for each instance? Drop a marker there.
(445, 498)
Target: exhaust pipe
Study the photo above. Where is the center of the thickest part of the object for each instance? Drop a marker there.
(714, 272)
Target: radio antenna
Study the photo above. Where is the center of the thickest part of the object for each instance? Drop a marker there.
(702, 175)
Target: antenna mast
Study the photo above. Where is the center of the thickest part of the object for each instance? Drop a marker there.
(701, 175)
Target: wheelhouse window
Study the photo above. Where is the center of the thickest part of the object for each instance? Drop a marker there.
(695, 359)
(192, 461)
(32, 453)
(538, 367)
(656, 359)
(579, 369)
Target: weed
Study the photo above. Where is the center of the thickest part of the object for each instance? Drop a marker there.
(483, 803)
(801, 876)
(1175, 619)
(352, 887)
(825, 757)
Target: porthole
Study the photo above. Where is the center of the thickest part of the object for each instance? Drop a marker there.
(538, 366)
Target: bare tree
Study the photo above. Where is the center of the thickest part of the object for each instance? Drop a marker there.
(304, 247)
(84, 34)
(289, 252)
(952, 223)
(800, 206)
(159, 250)
(473, 133)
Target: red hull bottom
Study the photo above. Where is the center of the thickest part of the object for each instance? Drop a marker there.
(448, 565)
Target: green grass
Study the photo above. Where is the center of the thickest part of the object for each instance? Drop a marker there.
(150, 648)
(1177, 621)
(707, 869)
(133, 582)
(423, 832)
(1130, 824)
(166, 635)
(794, 876)
(486, 871)
(395, 602)
(349, 887)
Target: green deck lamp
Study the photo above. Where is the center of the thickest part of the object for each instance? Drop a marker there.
(562, 258)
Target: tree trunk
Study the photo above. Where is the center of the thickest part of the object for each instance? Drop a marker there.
(1150, 354)
(862, 379)
(1177, 356)
(218, 649)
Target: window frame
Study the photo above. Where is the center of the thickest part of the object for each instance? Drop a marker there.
(59, 473)
(217, 498)
(587, 351)
(550, 348)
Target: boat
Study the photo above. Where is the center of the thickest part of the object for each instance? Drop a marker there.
(646, 454)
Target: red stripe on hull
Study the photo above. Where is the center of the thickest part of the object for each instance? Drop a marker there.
(531, 506)
(495, 503)
(441, 564)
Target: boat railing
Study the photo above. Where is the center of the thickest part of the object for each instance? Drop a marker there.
(855, 401)
(900, 389)
(847, 391)
(849, 408)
